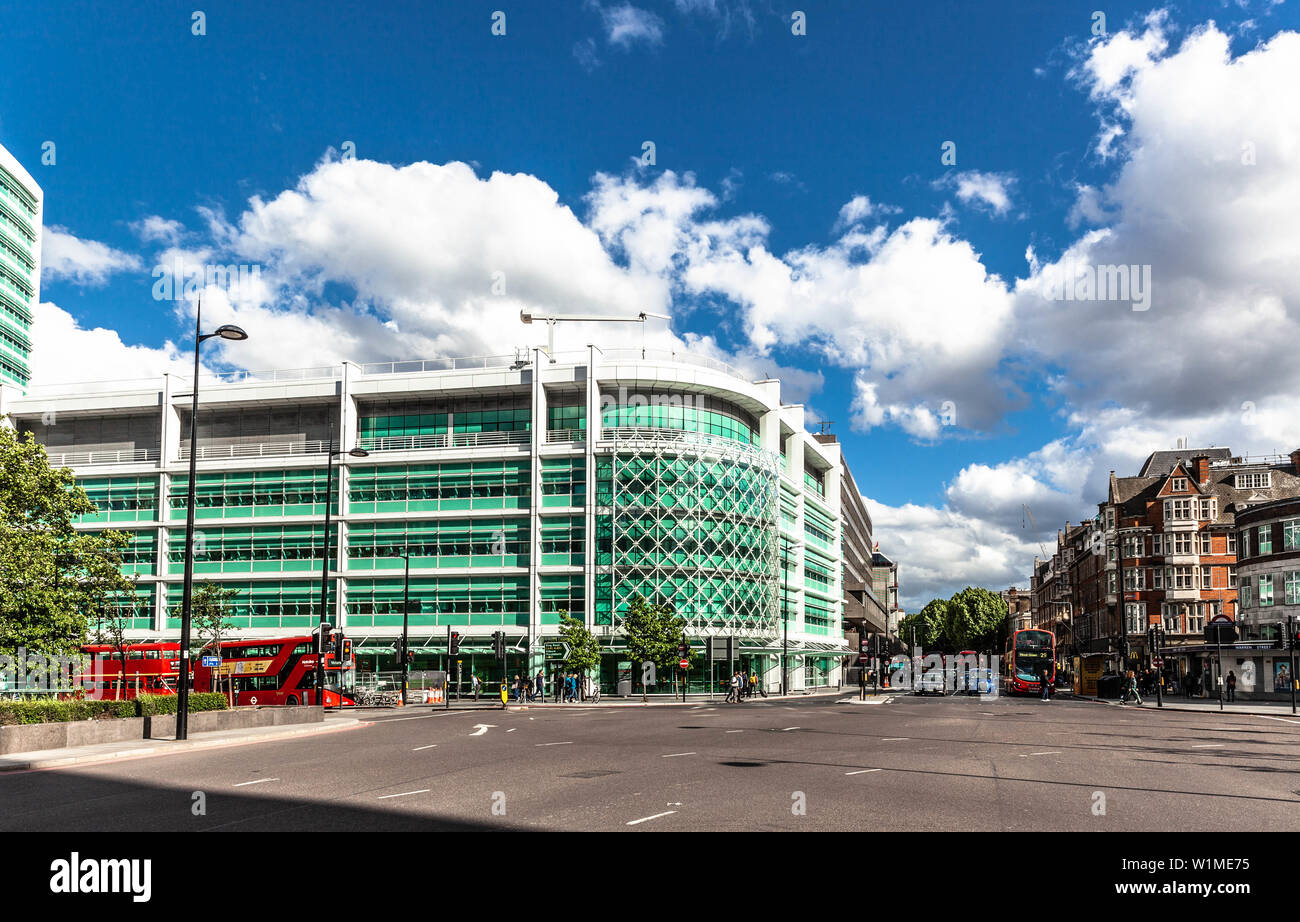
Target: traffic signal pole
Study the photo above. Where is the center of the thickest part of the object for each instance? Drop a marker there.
(1290, 645)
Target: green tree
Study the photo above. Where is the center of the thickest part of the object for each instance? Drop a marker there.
(982, 619)
(209, 621)
(654, 633)
(929, 624)
(55, 581)
(584, 646)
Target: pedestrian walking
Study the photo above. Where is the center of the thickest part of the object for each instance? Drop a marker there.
(474, 681)
(1131, 689)
(735, 687)
(539, 686)
(1232, 685)
(1043, 679)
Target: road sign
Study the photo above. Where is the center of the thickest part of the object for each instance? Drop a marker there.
(557, 650)
(211, 662)
(684, 663)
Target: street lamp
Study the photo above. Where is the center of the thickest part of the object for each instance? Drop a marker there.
(325, 565)
(406, 609)
(230, 333)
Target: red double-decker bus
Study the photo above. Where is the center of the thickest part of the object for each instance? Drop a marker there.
(151, 669)
(280, 670)
(1029, 652)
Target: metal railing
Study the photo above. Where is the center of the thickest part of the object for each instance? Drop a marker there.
(566, 435)
(421, 366)
(446, 440)
(259, 450)
(82, 458)
(664, 355)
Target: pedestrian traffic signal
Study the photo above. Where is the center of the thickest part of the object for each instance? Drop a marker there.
(455, 643)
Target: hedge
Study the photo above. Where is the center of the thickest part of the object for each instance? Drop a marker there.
(41, 711)
(166, 704)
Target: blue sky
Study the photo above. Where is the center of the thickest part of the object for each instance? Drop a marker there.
(153, 125)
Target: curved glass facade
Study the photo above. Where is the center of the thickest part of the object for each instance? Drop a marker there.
(693, 526)
(680, 410)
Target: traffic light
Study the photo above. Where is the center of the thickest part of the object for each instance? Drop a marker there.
(454, 643)
(345, 651)
(410, 657)
(499, 644)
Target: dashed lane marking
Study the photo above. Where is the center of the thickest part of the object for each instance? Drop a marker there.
(646, 819)
(244, 784)
(405, 794)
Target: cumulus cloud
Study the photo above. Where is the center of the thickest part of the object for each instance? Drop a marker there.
(61, 346)
(989, 191)
(626, 25)
(85, 262)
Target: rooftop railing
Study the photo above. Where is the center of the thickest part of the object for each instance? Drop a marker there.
(259, 450)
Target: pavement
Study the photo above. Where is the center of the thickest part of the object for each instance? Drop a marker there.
(41, 759)
(1277, 709)
(811, 763)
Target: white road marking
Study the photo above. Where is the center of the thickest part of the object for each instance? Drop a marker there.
(733, 731)
(480, 729)
(565, 743)
(1053, 752)
(405, 793)
(894, 739)
(676, 754)
(1208, 746)
(512, 729)
(864, 771)
(784, 729)
(422, 748)
(645, 819)
(1283, 719)
(258, 781)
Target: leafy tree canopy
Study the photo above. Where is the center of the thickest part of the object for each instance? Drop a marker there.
(55, 581)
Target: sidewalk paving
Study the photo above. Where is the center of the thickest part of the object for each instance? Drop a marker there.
(1199, 705)
(79, 755)
(694, 699)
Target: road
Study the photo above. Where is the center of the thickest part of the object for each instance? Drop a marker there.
(803, 764)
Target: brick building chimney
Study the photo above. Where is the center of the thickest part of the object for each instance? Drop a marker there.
(1295, 461)
(1201, 469)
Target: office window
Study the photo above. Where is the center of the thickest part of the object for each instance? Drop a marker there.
(1264, 538)
(1291, 534)
(1266, 589)
(1292, 585)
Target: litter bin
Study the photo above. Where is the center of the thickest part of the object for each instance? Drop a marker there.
(1110, 686)
(625, 688)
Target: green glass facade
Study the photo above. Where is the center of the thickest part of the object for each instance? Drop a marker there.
(20, 268)
(682, 496)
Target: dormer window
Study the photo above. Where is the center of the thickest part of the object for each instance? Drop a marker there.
(1178, 485)
(1256, 480)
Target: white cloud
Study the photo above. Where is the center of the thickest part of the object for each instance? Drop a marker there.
(991, 191)
(157, 229)
(626, 25)
(63, 350)
(85, 262)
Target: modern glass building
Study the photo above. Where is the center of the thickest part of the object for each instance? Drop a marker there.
(20, 268)
(519, 491)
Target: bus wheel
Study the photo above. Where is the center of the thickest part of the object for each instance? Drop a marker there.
(293, 701)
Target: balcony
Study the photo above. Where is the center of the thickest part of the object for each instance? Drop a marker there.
(447, 440)
(566, 435)
(85, 458)
(258, 450)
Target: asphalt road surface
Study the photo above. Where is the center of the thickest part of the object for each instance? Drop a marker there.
(807, 764)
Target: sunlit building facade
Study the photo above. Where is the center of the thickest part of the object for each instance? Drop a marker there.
(20, 268)
(520, 491)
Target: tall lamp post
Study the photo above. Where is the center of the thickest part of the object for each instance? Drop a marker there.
(233, 334)
(406, 608)
(785, 616)
(325, 565)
